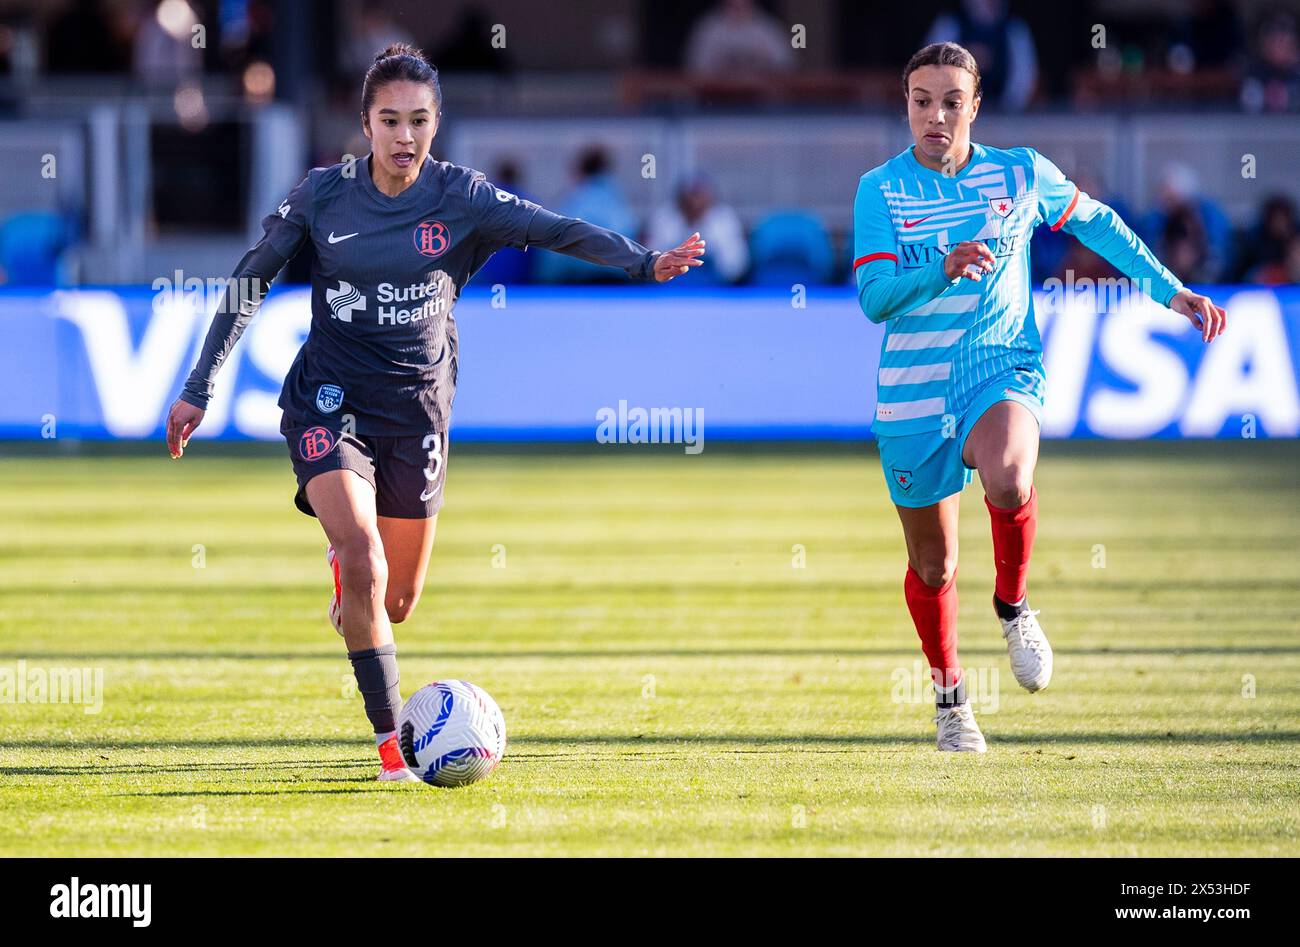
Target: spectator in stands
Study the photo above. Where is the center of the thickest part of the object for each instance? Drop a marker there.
(1266, 248)
(1185, 245)
(697, 208)
(163, 53)
(1292, 274)
(1189, 231)
(253, 40)
(597, 199)
(736, 39)
(1210, 30)
(470, 49)
(85, 38)
(1001, 44)
(1272, 82)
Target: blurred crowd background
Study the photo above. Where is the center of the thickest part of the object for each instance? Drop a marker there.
(159, 132)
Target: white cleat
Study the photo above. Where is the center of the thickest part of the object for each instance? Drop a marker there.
(958, 731)
(396, 776)
(336, 605)
(1031, 655)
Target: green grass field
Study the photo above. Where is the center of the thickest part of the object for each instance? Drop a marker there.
(672, 683)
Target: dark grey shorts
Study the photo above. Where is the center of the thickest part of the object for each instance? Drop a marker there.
(407, 473)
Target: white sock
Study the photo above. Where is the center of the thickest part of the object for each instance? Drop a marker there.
(382, 738)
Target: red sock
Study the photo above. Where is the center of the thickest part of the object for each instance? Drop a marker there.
(1013, 540)
(934, 612)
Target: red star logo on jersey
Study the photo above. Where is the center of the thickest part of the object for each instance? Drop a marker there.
(1002, 206)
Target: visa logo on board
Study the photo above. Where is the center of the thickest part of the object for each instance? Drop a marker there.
(1135, 371)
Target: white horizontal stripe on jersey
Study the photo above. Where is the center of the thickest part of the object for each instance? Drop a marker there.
(903, 341)
(965, 302)
(918, 203)
(907, 410)
(987, 180)
(915, 374)
(941, 218)
(922, 232)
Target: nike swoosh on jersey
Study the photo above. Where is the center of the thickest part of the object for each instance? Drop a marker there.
(908, 224)
(334, 239)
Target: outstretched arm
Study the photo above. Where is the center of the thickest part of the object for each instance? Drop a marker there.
(240, 302)
(283, 234)
(242, 298)
(507, 220)
(1101, 230)
(578, 238)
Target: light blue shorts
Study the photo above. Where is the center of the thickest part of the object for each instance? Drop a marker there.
(922, 469)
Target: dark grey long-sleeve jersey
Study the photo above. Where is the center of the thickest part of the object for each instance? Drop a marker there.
(382, 347)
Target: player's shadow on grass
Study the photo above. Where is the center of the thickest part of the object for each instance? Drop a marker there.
(469, 594)
(359, 778)
(802, 742)
(359, 785)
(903, 650)
(121, 769)
(743, 743)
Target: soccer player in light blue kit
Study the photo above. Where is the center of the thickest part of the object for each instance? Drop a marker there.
(941, 238)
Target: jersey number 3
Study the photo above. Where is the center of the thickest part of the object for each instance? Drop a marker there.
(432, 444)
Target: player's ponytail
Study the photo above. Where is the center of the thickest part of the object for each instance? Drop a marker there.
(399, 62)
(943, 54)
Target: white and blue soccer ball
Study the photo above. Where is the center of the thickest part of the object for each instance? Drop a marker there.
(451, 733)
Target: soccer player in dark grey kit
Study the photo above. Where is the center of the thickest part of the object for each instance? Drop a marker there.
(367, 401)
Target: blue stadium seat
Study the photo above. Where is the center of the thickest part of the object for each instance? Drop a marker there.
(790, 247)
(30, 247)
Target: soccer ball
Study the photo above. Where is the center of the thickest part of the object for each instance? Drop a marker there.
(451, 733)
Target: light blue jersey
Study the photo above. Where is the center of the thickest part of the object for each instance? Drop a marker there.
(945, 340)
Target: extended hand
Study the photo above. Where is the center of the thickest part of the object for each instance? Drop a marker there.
(1202, 313)
(181, 422)
(673, 263)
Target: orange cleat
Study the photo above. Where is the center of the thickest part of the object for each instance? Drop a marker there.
(392, 767)
(336, 603)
